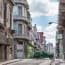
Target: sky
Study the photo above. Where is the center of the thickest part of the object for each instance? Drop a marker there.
(43, 12)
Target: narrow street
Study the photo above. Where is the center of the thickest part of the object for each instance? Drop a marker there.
(32, 32)
(34, 62)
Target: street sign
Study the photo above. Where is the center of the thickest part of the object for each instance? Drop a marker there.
(59, 36)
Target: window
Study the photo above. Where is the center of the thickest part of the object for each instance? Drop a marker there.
(15, 26)
(15, 10)
(20, 11)
(20, 29)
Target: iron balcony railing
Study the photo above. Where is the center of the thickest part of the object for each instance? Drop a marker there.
(17, 17)
(21, 36)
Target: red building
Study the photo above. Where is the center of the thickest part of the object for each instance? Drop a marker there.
(40, 35)
(42, 41)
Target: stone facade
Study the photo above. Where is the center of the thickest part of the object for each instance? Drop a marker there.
(5, 29)
(61, 29)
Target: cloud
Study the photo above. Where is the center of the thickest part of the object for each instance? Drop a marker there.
(43, 7)
(50, 33)
(39, 7)
(53, 8)
(39, 28)
(29, 1)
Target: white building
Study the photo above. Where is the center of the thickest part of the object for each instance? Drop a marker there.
(21, 25)
(44, 45)
(35, 38)
(50, 48)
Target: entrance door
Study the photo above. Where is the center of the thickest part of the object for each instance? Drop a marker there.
(20, 50)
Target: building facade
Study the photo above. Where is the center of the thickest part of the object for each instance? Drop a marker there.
(61, 29)
(5, 30)
(22, 26)
(50, 48)
(59, 46)
(44, 44)
(35, 38)
(42, 41)
(40, 37)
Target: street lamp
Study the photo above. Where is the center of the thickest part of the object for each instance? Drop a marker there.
(59, 27)
(59, 34)
(54, 51)
(52, 22)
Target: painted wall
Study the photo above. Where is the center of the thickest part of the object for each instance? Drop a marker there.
(30, 51)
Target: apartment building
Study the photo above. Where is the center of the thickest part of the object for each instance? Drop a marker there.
(50, 48)
(35, 38)
(5, 29)
(40, 38)
(22, 26)
(61, 29)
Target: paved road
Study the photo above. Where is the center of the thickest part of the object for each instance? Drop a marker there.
(58, 62)
(31, 62)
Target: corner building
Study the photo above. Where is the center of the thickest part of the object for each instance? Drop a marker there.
(22, 26)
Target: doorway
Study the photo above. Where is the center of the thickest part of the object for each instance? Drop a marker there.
(3, 52)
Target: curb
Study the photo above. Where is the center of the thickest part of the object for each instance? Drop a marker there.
(10, 61)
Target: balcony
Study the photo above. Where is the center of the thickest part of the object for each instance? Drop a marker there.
(21, 36)
(22, 2)
(17, 17)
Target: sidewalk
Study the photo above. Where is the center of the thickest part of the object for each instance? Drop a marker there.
(58, 62)
(47, 62)
(14, 60)
(10, 61)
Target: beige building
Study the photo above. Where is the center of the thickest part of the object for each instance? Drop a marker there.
(22, 26)
(5, 29)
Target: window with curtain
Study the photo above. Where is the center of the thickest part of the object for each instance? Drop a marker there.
(20, 10)
(20, 29)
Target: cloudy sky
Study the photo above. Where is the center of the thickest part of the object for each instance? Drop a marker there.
(42, 12)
